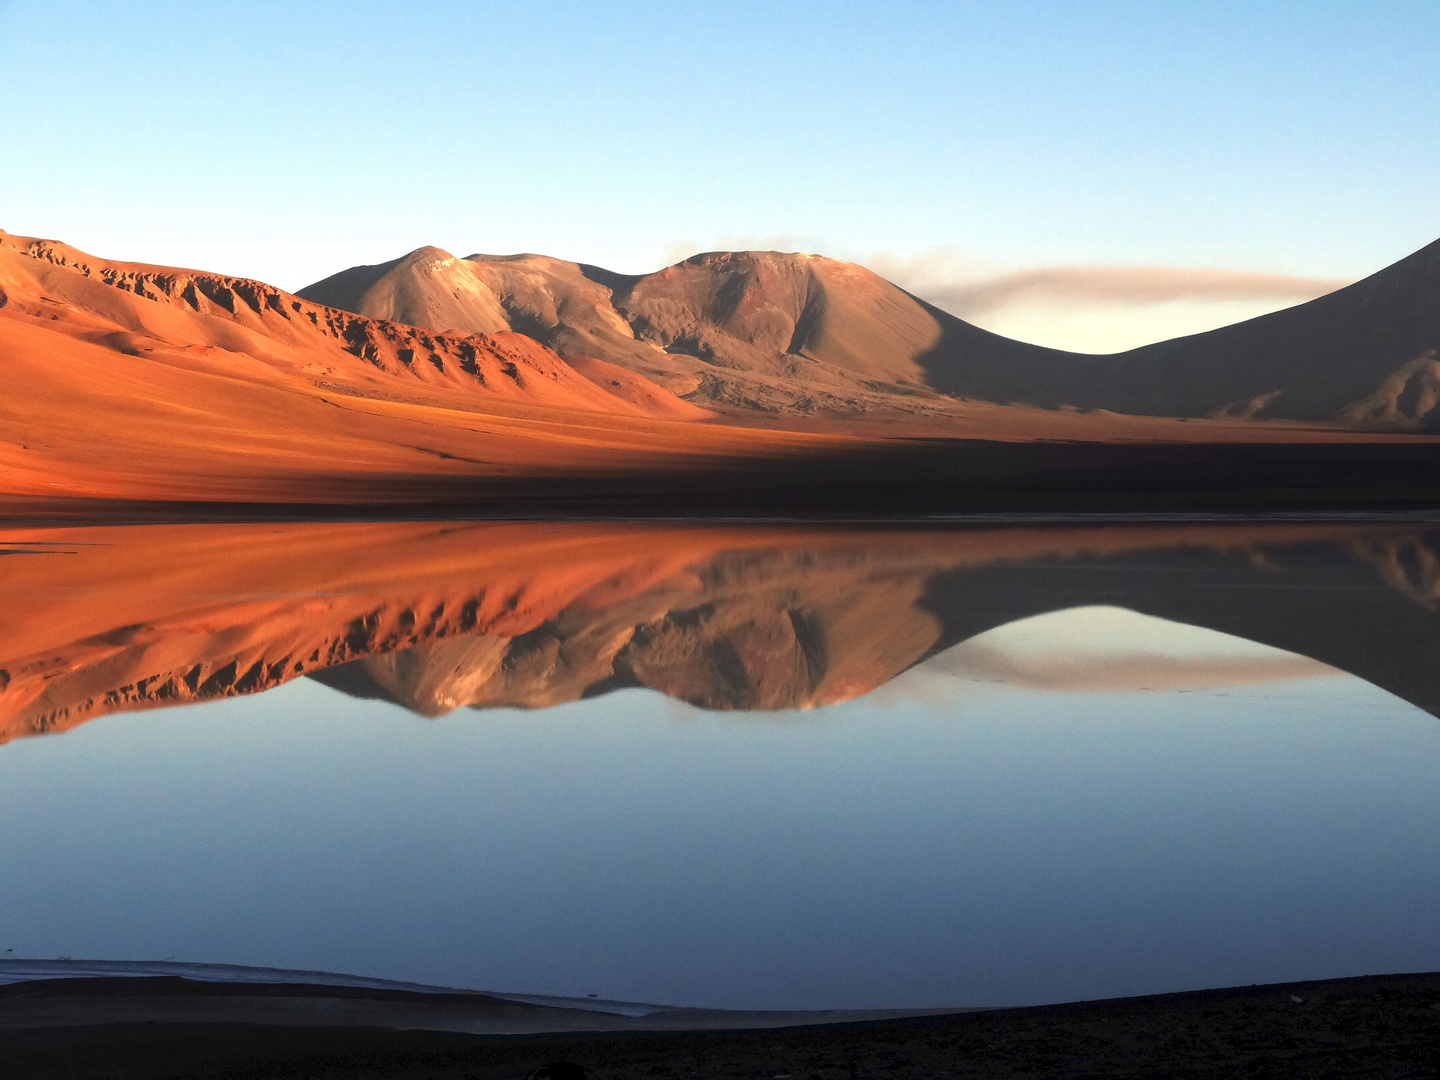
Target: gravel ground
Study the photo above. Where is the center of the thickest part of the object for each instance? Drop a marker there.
(1378, 1026)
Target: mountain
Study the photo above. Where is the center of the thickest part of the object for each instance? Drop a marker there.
(172, 387)
(257, 321)
(127, 380)
(802, 334)
(1367, 355)
(744, 331)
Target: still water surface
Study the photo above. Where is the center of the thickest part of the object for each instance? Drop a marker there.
(1009, 781)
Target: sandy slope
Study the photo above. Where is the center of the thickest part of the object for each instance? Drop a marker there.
(805, 335)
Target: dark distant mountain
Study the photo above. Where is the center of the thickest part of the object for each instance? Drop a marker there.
(1367, 354)
(803, 334)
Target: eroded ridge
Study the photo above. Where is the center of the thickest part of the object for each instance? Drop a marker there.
(390, 347)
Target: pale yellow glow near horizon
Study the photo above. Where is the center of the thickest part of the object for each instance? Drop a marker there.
(1096, 328)
(1096, 308)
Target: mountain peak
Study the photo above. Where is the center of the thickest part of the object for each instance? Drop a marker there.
(430, 258)
(802, 334)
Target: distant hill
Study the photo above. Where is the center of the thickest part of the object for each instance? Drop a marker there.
(802, 334)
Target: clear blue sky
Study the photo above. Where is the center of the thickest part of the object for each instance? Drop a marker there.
(287, 140)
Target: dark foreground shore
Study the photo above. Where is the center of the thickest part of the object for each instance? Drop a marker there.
(1376, 1026)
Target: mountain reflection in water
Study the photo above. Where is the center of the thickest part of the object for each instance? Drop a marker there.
(439, 615)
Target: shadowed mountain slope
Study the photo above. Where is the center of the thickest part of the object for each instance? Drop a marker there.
(803, 334)
(1365, 355)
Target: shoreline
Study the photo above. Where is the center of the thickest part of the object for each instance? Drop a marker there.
(1375, 1025)
(918, 479)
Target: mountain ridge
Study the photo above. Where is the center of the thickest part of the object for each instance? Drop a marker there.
(799, 334)
(140, 384)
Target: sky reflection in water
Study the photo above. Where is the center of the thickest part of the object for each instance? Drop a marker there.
(1077, 794)
(1006, 845)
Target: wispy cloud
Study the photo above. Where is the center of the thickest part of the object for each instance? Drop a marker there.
(973, 289)
(966, 291)
(1127, 285)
